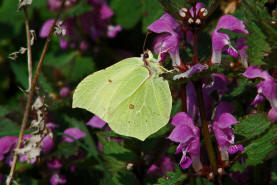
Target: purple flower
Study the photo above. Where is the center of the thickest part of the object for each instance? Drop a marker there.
(197, 68)
(113, 30)
(47, 144)
(224, 134)
(169, 39)
(105, 11)
(187, 134)
(73, 132)
(6, 145)
(96, 122)
(198, 7)
(57, 179)
(163, 165)
(44, 31)
(266, 88)
(64, 92)
(221, 40)
(54, 164)
(84, 45)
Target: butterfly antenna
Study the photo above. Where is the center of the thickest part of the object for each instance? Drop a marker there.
(145, 39)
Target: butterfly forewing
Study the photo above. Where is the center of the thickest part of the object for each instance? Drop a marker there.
(96, 92)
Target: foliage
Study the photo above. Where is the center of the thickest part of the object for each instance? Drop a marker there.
(92, 43)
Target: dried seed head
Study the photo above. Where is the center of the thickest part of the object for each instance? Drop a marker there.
(183, 12)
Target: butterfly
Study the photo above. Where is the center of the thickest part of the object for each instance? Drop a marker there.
(129, 95)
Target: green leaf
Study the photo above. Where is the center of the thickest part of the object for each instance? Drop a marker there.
(79, 8)
(176, 177)
(113, 164)
(67, 150)
(258, 42)
(59, 59)
(252, 125)
(127, 12)
(20, 72)
(259, 149)
(45, 84)
(10, 16)
(125, 177)
(151, 11)
(117, 151)
(82, 67)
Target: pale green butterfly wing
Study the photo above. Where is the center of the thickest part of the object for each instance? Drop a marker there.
(145, 112)
(125, 95)
(98, 91)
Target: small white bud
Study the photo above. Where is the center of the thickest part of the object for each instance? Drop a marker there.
(190, 21)
(183, 12)
(204, 11)
(198, 21)
(130, 166)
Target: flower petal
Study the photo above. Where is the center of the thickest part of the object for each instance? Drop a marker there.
(180, 119)
(166, 24)
(198, 7)
(96, 122)
(272, 114)
(73, 132)
(181, 134)
(185, 161)
(223, 107)
(230, 22)
(197, 68)
(225, 120)
(45, 29)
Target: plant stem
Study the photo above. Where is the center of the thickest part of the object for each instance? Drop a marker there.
(195, 53)
(184, 97)
(29, 49)
(204, 128)
(31, 95)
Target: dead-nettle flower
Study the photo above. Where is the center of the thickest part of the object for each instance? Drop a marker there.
(266, 88)
(170, 38)
(57, 179)
(188, 135)
(73, 132)
(96, 23)
(171, 33)
(59, 29)
(224, 134)
(221, 40)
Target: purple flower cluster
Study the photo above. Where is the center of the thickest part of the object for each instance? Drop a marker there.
(171, 36)
(187, 134)
(266, 89)
(95, 23)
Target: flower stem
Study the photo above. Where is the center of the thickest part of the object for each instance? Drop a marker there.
(29, 50)
(30, 97)
(204, 128)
